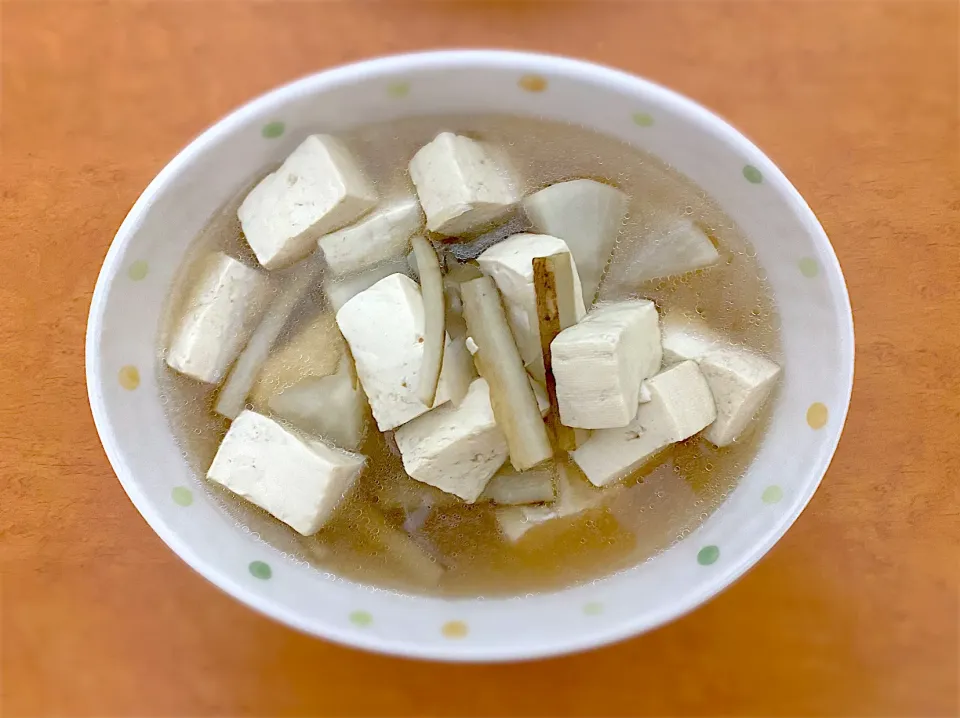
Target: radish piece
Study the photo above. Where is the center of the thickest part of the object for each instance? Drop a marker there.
(233, 395)
(585, 214)
(434, 332)
(514, 402)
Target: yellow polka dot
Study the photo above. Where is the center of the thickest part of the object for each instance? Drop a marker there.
(129, 378)
(533, 83)
(454, 629)
(817, 415)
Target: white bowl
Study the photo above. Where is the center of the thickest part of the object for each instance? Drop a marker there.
(817, 339)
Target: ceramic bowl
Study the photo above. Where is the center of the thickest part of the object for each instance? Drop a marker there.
(809, 411)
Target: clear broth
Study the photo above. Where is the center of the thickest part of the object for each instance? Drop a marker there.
(657, 507)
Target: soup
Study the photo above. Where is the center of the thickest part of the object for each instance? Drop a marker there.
(297, 379)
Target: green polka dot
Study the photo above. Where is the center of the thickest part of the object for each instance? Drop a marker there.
(643, 119)
(361, 619)
(708, 555)
(138, 270)
(772, 494)
(258, 569)
(182, 495)
(272, 130)
(752, 174)
(398, 89)
(129, 377)
(809, 267)
(593, 608)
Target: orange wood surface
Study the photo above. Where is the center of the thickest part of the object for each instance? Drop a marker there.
(855, 612)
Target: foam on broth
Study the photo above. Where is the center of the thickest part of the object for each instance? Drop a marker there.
(656, 508)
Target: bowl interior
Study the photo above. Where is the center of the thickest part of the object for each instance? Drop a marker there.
(817, 342)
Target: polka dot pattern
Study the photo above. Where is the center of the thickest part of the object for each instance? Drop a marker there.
(752, 174)
(181, 495)
(594, 608)
(272, 130)
(129, 377)
(138, 270)
(809, 267)
(454, 630)
(708, 555)
(261, 570)
(643, 119)
(817, 415)
(772, 495)
(533, 83)
(398, 90)
(361, 619)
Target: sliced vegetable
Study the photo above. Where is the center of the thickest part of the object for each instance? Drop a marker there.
(510, 487)
(233, 395)
(333, 407)
(458, 369)
(548, 273)
(313, 352)
(677, 247)
(514, 403)
(434, 330)
(373, 528)
(585, 214)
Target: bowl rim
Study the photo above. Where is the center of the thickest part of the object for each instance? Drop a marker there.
(589, 72)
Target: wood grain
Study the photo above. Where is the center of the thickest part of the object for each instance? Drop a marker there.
(855, 612)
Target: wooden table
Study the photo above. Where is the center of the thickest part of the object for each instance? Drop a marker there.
(853, 613)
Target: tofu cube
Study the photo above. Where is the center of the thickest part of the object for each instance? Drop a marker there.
(384, 234)
(740, 382)
(456, 449)
(685, 339)
(340, 290)
(383, 326)
(600, 363)
(510, 265)
(574, 496)
(460, 185)
(680, 405)
(318, 188)
(296, 478)
(221, 312)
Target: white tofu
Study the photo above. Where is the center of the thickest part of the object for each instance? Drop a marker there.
(384, 327)
(297, 479)
(317, 189)
(510, 265)
(510, 487)
(588, 216)
(600, 363)
(685, 339)
(384, 234)
(574, 496)
(461, 187)
(221, 312)
(740, 382)
(456, 449)
(680, 405)
(332, 407)
(340, 290)
(677, 248)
